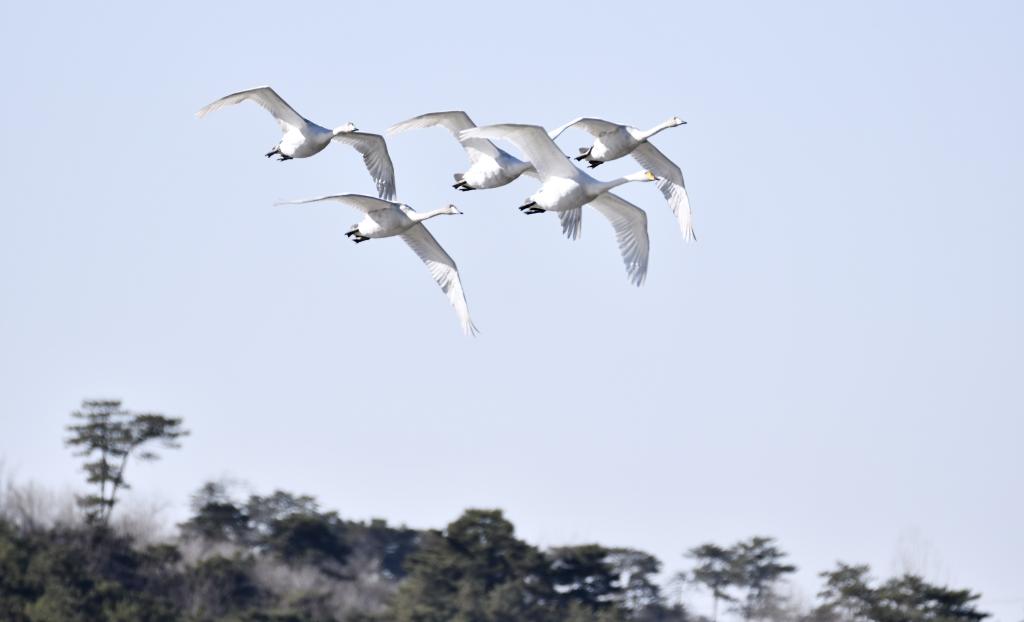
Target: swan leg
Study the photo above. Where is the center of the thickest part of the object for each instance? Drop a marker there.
(584, 154)
(357, 239)
(463, 186)
(531, 208)
(595, 163)
(283, 157)
(274, 151)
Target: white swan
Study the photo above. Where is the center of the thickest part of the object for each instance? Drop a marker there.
(489, 166)
(303, 138)
(565, 189)
(613, 141)
(386, 219)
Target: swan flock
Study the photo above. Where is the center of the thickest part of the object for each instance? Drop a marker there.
(565, 189)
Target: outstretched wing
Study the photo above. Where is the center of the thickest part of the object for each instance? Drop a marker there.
(268, 99)
(594, 127)
(454, 121)
(545, 155)
(375, 154)
(671, 185)
(630, 224)
(442, 267)
(361, 202)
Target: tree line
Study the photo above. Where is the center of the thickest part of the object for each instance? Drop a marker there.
(281, 557)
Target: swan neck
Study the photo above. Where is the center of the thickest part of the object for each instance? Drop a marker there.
(605, 186)
(421, 216)
(654, 130)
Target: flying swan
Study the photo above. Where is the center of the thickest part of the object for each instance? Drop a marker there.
(566, 189)
(385, 219)
(303, 138)
(489, 166)
(613, 141)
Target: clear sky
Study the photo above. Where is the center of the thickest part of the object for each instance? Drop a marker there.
(837, 362)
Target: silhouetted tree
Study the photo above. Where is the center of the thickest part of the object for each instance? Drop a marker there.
(758, 566)
(110, 436)
(715, 570)
(636, 572)
(849, 595)
(581, 575)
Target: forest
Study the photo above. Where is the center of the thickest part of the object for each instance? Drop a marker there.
(282, 557)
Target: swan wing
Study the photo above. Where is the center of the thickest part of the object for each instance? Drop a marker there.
(361, 202)
(545, 155)
(670, 183)
(268, 99)
(375, 154)
(592, 126)
(442, 267)
(572, 222)
(454, 121)
(630, 224)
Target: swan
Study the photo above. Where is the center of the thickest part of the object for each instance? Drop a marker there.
(613, 141)
(385, 219)
(565, 189)
(489, 166)
(303, 138)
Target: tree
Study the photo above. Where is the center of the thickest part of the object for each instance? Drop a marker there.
(107, 437)
(636, 572)
(476, 570)
(758, 566)
(716, 571)
(846, 592)
(581, 575)
(849, 596)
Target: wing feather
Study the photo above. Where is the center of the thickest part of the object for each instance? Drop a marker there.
(545, 155)
(361, 202)
(572, 222)
(630, 224)
(593, 126)
(442, 267)
(268, 99)
(455, 121)
(374, 150)
(671, 185)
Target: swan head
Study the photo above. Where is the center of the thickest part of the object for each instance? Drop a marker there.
(348, 128)
(676, 121)
(451, 209)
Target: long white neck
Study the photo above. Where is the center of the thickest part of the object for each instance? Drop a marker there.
(421, 216)
(657, 128)
(605, 186)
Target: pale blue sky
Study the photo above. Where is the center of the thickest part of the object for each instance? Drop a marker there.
(837, 362)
